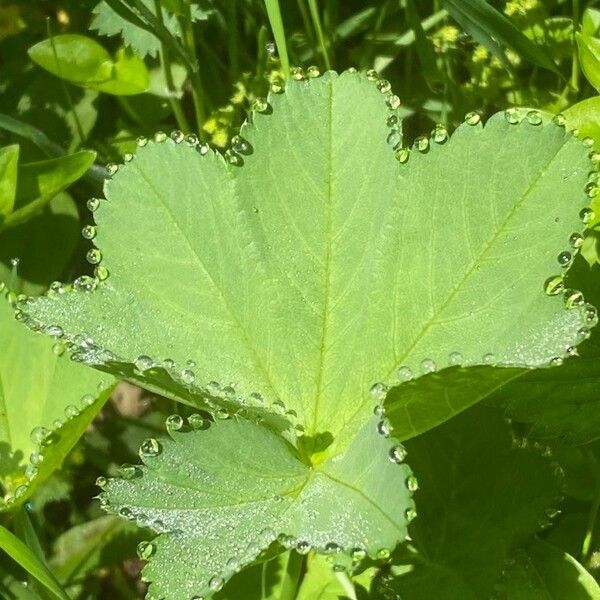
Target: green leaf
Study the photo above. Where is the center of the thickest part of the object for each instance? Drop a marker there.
(324, 265)
(477, 497)
(320, 582)
(21, 554)
(56, 232)
(108, 22)
(220, 493)
(101, 542)
(590, 23)
(39, 182)
(83, 61)
(38, 389)
(9, 157)
(492, 29)
(585, 117)
(540, 571)
(589, 58)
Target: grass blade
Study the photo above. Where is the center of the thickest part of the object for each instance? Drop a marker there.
(25, 557)
(274, 14)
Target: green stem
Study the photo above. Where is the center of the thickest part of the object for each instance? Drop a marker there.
(347, 584)
(292, 576)
(64, 85)
(190, 42)
(594, 508)
(274, 14)
(575, 55)
(316, 19)
(165, 62)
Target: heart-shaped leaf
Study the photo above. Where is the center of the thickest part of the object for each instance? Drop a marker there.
(325, 265)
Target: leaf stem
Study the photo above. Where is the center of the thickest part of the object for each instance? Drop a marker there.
(190, 42)
(292, 576)
(594, 507)
(575, 55)
(347, 584)
(316, 19)
(274, 14)
(165, 61)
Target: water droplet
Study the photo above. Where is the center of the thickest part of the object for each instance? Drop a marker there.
(59, 348)
(202, 149)
(404, 374)
(297, 73)
(92, 204)
(534, 117)
(332, 548)
(397, 454)
(379, 410)
(472, 118)
(101, 273)
(402, 155)
(573, 298)
(89, 232)
(222, 414)
(55, 331)
(277, 86)
(240, 145)
(394, 139)
(554, 285)
(233, 158)
(143, 363)
(127, 157)
(94, 256)
(39, 435)
(303, 548)
(595, 158)
(160, 136)
(559, 120)
(384, 86)
(591, 189)
(422, 143)
(358, 554)
(512, 115)
(410, 514)
(587, 141)
(174, 422)
(191, 139)
(586, 215)
(591, 315)
(71, 411)
(439, 134)
(392, 122)
(488, 359)
(111, 169)
(576, 240)
(126, 513)
(150, 448)
(313, 71)
(557, 361)
(233, 565)
(393, 102)
(36, 458)
(383, 554)
(412, 485)
(564, 259)
(455, 358)
(428, 366)
(384, 428)
(584, 333)
(378, 390)
(260, 105)
(101, 481)
(198, 422)
(141, 141)
(216, 584)
(572, 351)
(145, 550)
(372, 75)
(187, 376)
(128, 471)
(177, 136)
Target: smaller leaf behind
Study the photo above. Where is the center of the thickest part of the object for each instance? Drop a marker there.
(221, 493)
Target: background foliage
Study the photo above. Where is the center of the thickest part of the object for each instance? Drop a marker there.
(509, 490)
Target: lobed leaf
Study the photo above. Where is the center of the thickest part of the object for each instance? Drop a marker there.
(324, 265)
(220, 493)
